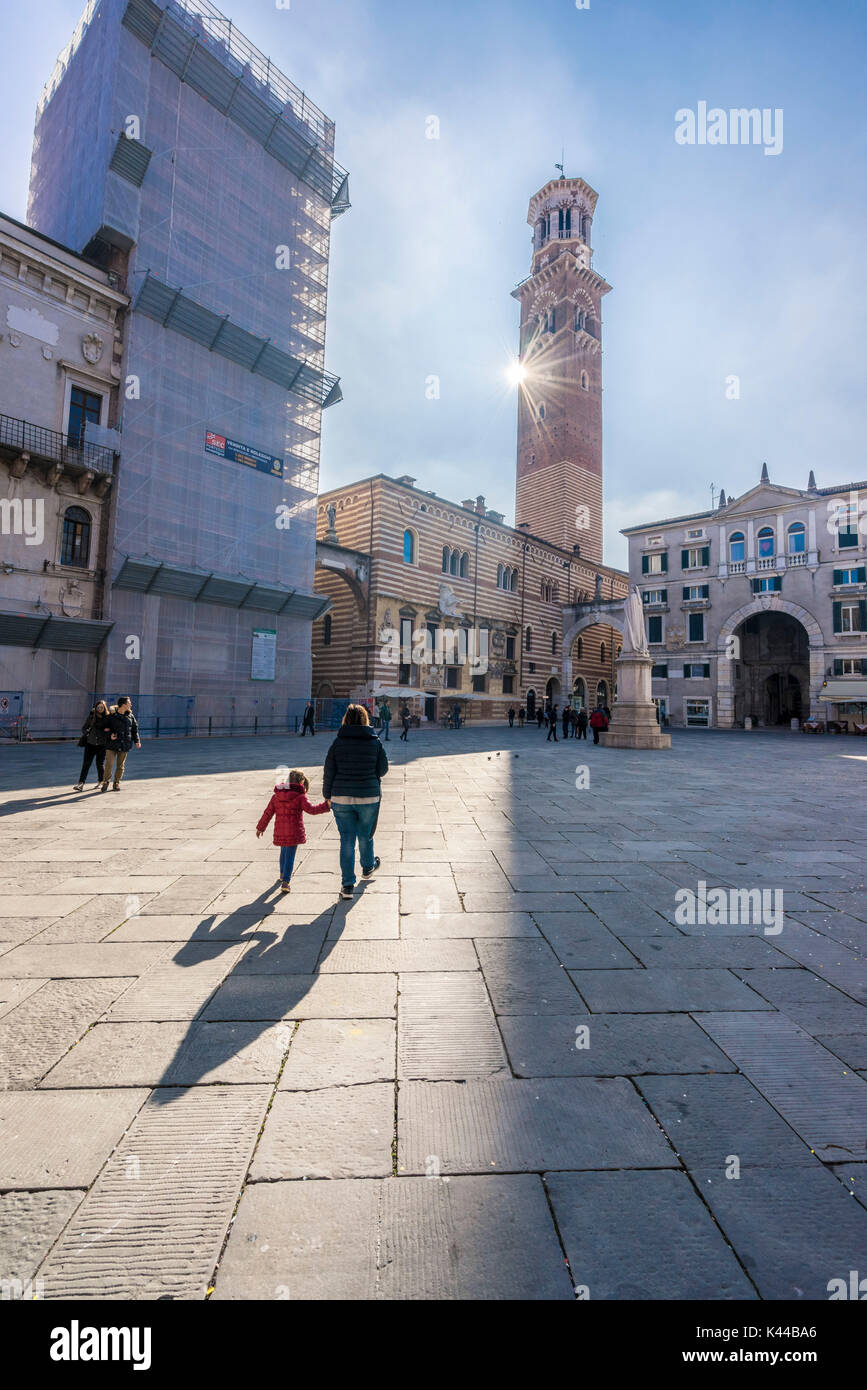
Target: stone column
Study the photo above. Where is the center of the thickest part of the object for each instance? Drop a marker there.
(723, 555)
(634, 720)
(751, 547)
(812, 551)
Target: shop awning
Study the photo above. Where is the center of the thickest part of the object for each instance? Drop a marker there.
(58, 634)
(842, 692)
(148, 576)
(398, 692)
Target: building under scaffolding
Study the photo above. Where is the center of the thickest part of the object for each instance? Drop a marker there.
(173, 153)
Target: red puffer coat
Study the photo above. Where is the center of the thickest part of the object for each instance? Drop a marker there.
(287, 806)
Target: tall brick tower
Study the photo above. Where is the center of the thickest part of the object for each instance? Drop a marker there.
(559, 476)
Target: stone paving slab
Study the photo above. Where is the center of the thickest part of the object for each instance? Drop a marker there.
(525, 977)
(176, 988)
(626, 915)
(275, 950)
(834, 1016)
(583, 943)
(190, 926)
(12, 992)
(340, 1052)
(304, 996)
(467, 924)
(61, 1138)
(469, 1238)
(81, 961)
(795, 1229)
(674, 1251)
(579, 1044)
(173, 1054)
(709, 1119)
(704, 953)
(339, 1132)
(853, 1176)
(526, 1125)
(446, 1028)
(30, 1222)
(367, 918)
(41, 1029)
(822, 1101)
(109, 883)
(353, 957)
(50, 905)
(664, 991)
(154, 1222)
(791, 986)
(851, 1048)
(95, 921)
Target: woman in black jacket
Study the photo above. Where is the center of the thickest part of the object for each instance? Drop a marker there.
(93, 740)
(354, 765)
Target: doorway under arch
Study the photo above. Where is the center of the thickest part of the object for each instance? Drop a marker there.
(531, 704)
(601, 694)
(772, 669)
(579, 693)
(552, 689)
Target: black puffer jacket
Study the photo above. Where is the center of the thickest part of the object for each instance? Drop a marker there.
(354, 763)
(125, 728)
(94, 729)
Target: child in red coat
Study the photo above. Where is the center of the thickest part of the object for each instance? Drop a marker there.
(287, 806)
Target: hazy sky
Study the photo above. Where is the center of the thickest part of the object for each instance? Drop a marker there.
(724, 261)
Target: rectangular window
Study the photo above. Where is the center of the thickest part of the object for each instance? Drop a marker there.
(693, 592)
(508, 685)
(851, 617)
(771, 584)
(696, 534)
(453, 678)
(849, 666)
(655, 564)
(655, 596)
(697, 671)
(659, 672)
(847, 529)
(695, 558)
(510, 649)
(654, 630)
(84, 407)
(696, 713)
(851, 576)
(696, 627)
(479, 684)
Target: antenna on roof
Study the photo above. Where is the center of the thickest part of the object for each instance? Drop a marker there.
(713, 496)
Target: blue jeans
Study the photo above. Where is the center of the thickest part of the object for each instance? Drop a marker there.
(287, 861)
(355, 823)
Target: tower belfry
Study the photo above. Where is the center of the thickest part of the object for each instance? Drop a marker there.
(559, 471)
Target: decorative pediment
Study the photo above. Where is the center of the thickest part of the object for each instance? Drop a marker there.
(764, 497)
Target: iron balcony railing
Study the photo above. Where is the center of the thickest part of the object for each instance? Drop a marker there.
(42, 443)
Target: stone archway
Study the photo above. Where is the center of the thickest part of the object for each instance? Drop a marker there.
(728, 652)
(579, 616)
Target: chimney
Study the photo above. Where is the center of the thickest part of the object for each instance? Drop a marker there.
(523, 526)
(469, 504)
(480, 505)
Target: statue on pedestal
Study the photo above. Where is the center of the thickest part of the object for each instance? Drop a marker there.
(634, 635)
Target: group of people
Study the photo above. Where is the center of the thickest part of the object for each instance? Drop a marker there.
(108, 733)
(575, 722)
(355, 765)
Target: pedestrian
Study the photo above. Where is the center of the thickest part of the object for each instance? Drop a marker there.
(456, 716)
(522, 715)
(121, 729)
(385, 717)
(511, 717)
(598, 722)
(405, 720)
(581, 724)
(355, 764)
(307, 720)
(93, 740)
(552, 724)
(540, 716)
(567, 719)
(606, 711)
(287, 805)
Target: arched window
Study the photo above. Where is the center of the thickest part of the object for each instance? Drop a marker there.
(528, 640)
(553, 644)
(465, 565)
(326, 631)
(446, 553)
(601, 651)
(75, 545)
(602, 693)
(737, 548)
(585, 382)
(580, 648)
(453, 562)
(766, 543)
(564, 222)
(409, 547)
(513, 583)
(555, 592)
(797, 538)
(580, 319)
(500, 570)
(579, 693)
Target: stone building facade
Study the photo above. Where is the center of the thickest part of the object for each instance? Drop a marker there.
(395, 559)
(61, 342)
(757, 610)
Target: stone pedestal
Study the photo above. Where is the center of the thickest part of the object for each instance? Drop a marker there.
(633, 723)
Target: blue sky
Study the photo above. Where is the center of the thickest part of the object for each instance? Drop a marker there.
(724, 261)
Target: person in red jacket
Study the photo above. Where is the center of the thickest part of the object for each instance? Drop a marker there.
(287, 806)
(598, 722)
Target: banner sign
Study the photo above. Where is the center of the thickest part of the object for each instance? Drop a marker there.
(235, 452)
(263, 663)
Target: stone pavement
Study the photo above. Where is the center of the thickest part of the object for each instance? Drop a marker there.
(505, 1070)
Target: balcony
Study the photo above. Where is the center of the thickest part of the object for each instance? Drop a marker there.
(24, 443)
(767, 563)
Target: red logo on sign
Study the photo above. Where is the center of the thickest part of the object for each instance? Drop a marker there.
(217, 441)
